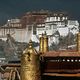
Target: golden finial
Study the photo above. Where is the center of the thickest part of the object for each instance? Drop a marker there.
(45, 34)
(45, 42)
(30, 43)
(41, 44)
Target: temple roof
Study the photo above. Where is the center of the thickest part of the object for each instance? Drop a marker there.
(61, 54)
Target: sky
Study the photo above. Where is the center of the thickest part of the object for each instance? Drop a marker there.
(17, 8)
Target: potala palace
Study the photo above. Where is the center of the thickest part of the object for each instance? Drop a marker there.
(33, 24)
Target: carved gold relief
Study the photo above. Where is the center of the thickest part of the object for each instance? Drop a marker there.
(30, 68)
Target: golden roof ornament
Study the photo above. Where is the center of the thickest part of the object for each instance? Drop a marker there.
(30, 66)
(43, 43)
(30, 43)
(45, 35)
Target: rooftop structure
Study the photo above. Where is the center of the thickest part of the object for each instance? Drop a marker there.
(62, 63)
(53, 63)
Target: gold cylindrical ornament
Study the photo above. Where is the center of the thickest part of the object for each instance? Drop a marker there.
(45, 43)
(30, 66)
(78, 42)
(41, 47)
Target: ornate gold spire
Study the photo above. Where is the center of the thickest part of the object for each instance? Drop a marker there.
(41, 48)
(30, 68)
(30, 43)
(43, 43)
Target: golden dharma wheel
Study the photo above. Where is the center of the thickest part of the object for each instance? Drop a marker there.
(30, 66)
